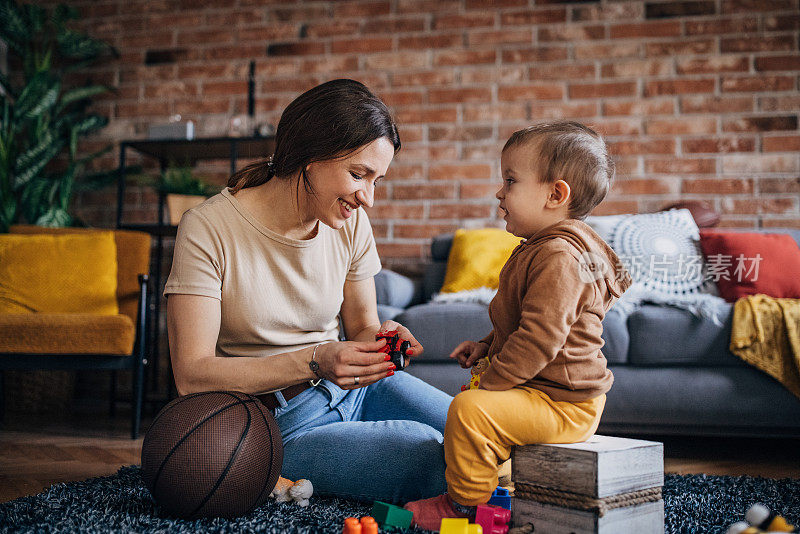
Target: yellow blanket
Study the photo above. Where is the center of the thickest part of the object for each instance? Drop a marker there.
(766, 334)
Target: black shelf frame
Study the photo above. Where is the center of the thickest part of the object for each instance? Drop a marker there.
(181, 152)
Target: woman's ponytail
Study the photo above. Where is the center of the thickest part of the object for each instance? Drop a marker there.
(254, 174)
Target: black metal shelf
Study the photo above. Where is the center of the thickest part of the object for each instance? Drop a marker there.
(190, 151)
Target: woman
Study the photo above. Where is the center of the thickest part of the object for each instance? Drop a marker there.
(262, 272)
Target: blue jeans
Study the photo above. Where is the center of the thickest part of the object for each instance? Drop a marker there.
(381, 442)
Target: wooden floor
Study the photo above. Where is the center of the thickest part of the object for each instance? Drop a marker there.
(37, 451)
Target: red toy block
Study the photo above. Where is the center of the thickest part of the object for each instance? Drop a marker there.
(493, 519)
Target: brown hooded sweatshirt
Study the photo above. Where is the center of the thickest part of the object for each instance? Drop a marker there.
(548, 312)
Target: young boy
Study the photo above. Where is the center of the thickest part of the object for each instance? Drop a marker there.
(547, 377)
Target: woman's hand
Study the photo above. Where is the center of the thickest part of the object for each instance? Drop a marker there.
(416, 348)
(468, 352)
(342, 362)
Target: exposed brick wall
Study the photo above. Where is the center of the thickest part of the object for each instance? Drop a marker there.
(697, 99)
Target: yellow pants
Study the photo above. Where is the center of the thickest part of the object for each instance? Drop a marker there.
(482, 426)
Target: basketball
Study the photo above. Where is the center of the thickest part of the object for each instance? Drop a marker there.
(212, 454)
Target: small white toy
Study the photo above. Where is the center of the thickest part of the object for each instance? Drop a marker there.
(287, 491)
(759, 520)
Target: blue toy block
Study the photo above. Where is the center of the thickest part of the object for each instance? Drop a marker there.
(501, 498)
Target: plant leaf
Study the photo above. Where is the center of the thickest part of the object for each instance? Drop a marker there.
(13, 27)
(89, 124)
(39, 122)
(54, 217)
(6, 86)
(77, 45)
(65, 187)
(73, 143)
(32, 199)
(80, 93)
(31, 163)
(33, 154)
(39, 95)
(36, 17)
(8, 212)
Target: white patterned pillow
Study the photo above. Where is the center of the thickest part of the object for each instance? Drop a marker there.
(660, 250)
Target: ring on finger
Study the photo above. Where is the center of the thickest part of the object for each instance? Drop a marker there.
(356, 380)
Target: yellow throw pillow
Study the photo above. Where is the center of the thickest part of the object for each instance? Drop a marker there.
(476, 258)
(58, 273)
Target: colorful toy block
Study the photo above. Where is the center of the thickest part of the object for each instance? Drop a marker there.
(351, 526)
(367, 525)
(390, 515)
(493, 519)
(501, 498)
(451, 525)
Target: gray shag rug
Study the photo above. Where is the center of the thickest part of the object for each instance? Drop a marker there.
(121, 503)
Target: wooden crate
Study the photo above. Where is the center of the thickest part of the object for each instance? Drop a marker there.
(602, 468)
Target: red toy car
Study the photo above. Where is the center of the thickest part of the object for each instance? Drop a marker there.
(395, 348)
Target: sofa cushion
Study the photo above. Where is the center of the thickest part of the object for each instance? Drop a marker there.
(752, 263)
(67, 273)
(432, 279)
(662, 335)
(615, 334)
(476, 258)
(133, 259)
(386, 312)
(440, 327)
(440, 247)
(660, 250)
(66, 333)
(393, 289)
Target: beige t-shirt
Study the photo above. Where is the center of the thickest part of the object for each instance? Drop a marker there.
(277, 294)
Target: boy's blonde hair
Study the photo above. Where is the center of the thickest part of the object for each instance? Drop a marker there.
(572, 152)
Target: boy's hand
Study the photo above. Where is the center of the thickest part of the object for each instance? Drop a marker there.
(468, 352)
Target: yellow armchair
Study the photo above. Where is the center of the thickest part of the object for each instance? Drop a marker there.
(77, 340)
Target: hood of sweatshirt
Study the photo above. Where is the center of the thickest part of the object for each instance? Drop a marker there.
(606, 268)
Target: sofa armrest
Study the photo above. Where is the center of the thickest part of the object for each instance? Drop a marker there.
(394, 289)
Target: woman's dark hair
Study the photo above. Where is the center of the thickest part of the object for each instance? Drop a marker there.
(326, 122)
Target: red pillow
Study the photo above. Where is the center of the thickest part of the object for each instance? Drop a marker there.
(745, 264)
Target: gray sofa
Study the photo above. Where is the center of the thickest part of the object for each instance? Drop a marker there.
(673, 371)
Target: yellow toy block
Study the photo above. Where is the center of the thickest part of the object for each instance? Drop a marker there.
(461, 525)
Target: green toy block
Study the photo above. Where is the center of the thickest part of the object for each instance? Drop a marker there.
(390, 515)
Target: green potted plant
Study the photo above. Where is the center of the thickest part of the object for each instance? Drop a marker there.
(44, 115)
(184, 190)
